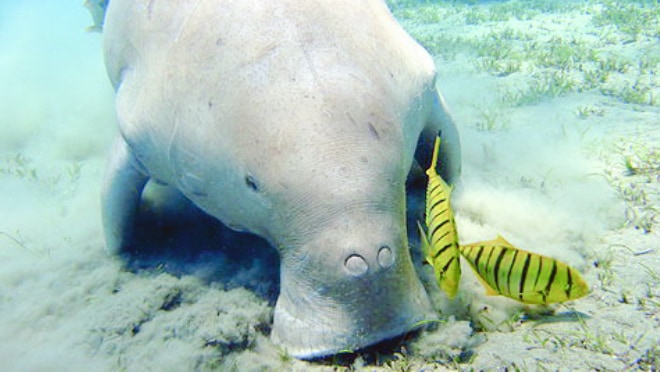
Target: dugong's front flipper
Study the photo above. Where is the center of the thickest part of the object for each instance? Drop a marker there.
(120, 195)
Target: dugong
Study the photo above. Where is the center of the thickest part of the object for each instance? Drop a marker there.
(298, 121)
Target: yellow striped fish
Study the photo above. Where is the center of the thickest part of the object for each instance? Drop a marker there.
(523, 276)
(440, 244)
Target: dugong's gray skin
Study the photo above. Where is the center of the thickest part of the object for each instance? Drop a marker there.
(294, 120)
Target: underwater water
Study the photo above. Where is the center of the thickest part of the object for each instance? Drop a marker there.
(558, 107)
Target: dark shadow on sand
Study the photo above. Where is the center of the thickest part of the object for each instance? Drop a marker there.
(180, 239)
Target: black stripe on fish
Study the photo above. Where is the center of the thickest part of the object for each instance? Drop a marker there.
(478, 257)
(538, 274)
(569, 284)
(510, 271)
(436, 202)
(442, 250)
(451, 260)
(436, 216)
(438, 227)
(523, 278)
(551, 280)
(496, 269)
(486, 266)
(443, 235)
(435, 187)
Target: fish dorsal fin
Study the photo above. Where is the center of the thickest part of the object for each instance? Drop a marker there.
(501, 241)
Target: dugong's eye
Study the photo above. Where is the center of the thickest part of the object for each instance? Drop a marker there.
(251, 183)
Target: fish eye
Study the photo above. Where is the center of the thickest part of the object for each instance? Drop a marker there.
(251, 182)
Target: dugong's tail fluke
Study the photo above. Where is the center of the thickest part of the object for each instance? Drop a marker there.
(97, 9)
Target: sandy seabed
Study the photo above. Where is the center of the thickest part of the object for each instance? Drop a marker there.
(558, 107)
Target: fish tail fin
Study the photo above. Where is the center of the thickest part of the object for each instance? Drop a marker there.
(434, 159)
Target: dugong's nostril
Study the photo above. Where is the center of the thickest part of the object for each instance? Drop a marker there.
(385, 257)
(356, 265)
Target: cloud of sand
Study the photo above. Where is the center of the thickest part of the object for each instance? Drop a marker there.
(536, 187)
(532, 182)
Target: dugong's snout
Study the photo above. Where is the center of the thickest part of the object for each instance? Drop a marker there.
(351, 286)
